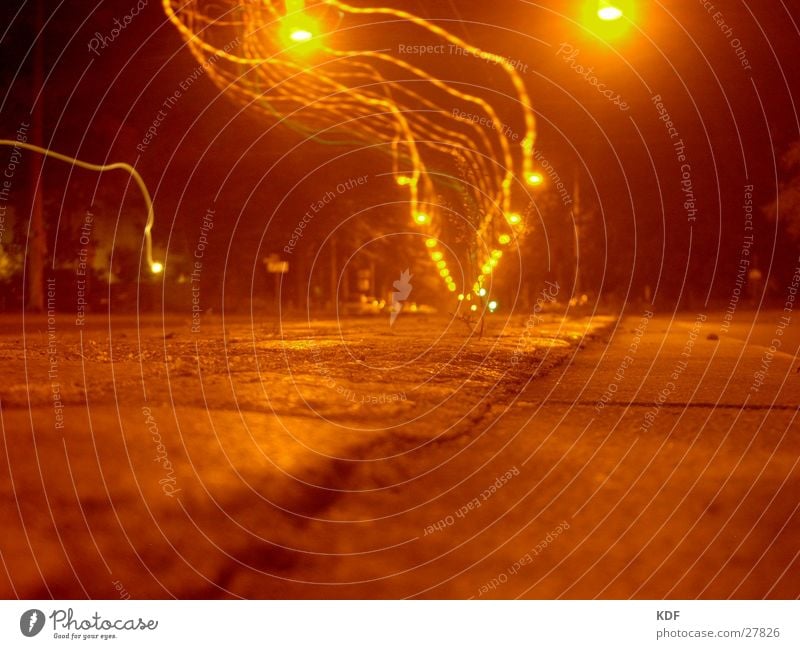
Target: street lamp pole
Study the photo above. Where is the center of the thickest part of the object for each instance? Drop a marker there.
(576, 220)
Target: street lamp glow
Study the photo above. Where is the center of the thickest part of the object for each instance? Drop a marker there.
(421, 218)
(535, 179)
(431, 243)
(492, 306)
(608, 12)
(504, 239)
(301, 35)
(514, 218)
(299, 31)
(437, 256)
(156, 267)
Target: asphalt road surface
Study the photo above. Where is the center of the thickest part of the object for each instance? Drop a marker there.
(580, 456)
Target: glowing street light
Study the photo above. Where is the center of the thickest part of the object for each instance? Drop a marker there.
(156, 267)
(297, 27)
(607, 11)
(609, 20)
(535, 179)
(301, 35)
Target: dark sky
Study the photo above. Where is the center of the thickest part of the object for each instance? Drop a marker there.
(735, 119)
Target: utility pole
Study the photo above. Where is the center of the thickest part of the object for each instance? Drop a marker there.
(37, 244)
(576, 220)
(334, 274)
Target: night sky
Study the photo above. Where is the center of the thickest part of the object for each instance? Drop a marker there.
(735, 115)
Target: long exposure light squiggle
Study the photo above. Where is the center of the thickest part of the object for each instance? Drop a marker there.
(287, 59)
(152, 264)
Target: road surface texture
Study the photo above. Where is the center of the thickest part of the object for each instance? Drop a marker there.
(648, 456)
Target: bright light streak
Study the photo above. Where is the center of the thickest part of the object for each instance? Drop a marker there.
(151, 216)
(261, 66)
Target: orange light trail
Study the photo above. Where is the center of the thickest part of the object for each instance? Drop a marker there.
(286, 59)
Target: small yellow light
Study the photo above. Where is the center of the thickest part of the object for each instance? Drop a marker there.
(492, 305)
(451, 288)
(421, 218)
(493, 263)
(460, 297)
(469, 296)
(431, 243)
(299, 32)
(156, 267)
(474, 307)
(441, 264)
(535, 179)
(487, 269)
(514, 218)
(437, 256)
(609, 12)
(444, 272)
(301, 35)
(481, 291)
(504, 239)
(404, 180)
(497, 254)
